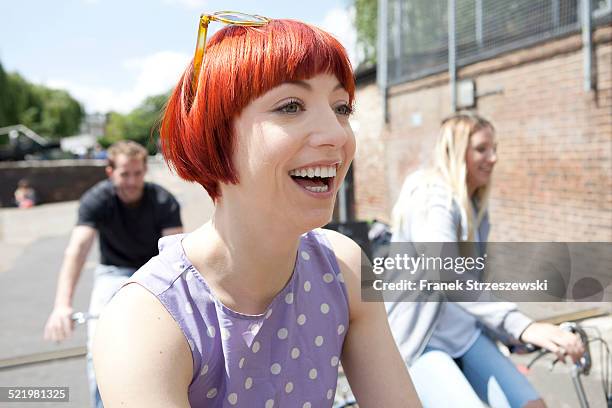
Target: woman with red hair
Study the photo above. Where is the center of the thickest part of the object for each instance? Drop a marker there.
(257, 307)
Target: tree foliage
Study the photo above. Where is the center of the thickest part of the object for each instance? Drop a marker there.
(365, 20)
(49, 112)
(140, 125)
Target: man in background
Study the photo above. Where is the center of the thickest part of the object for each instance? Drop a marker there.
(129, 215)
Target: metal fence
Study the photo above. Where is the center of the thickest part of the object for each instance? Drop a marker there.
(417, 31)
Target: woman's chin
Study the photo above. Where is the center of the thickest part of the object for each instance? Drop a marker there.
(314, 219)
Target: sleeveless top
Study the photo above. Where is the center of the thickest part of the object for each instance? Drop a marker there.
(286, 357)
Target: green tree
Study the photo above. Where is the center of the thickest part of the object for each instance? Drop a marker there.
(366, 24)
(49, 112)
(4, 95)
(140, 125)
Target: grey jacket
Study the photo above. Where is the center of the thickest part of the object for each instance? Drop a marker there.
(429, 214)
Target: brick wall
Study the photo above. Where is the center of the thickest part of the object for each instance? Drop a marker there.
(553, 180)
(53, 180)
(369, 169)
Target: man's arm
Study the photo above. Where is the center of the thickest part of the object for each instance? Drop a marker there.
(170, 210)
(141, 357)
(59, 324)
(373, 365)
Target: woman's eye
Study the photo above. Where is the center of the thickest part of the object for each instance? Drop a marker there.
(291, 107)
(343, 110)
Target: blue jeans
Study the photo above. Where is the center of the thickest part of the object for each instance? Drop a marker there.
(481, 374)
(107, 281)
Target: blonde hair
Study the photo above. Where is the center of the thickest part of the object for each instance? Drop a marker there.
(127, 148)
(450, 167)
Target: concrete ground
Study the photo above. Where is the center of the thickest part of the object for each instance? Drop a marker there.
(32, 243)
(31, 248)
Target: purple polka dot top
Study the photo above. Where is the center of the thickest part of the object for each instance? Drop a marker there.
(286, 357)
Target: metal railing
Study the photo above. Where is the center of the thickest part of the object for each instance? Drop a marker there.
(416, 33)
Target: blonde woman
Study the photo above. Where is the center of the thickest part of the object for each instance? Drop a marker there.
(452, 359)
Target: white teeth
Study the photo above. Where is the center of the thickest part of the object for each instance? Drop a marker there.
(319, 171)
(320, 189)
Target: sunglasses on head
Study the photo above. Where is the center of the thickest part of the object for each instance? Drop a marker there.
(226, 17)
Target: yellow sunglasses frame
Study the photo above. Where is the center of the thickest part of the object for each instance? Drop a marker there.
(218, 16)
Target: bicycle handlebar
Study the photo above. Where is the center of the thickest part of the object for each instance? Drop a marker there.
(81, 317)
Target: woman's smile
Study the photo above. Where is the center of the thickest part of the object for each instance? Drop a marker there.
(316, 179)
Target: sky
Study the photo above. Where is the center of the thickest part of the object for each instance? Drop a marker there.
(111, 54)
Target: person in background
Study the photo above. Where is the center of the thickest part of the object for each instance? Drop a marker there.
(98, 152)
(129, 216)
(258, 306)
(448, 346)
(25, 195)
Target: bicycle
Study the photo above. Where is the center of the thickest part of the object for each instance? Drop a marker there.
(583, 366)
(82, 317)
(345, 399)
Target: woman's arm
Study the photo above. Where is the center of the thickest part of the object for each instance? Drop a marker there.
(373, 365)
(141, 357)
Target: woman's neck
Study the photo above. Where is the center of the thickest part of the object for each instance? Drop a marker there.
(245, 260)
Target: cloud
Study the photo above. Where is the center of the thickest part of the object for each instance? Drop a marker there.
(339, 22)
(154, 74)
(157, 73)
(189, 4)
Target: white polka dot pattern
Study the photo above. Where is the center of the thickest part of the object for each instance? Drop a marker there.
(254, 328)
(289, 387)
(188, 308)
(225, 333)
(282, 333)
(324, 308)
(286, 357)
(318, 341)
(275, 369)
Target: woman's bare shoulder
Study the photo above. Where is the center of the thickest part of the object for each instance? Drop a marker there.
(140, 353)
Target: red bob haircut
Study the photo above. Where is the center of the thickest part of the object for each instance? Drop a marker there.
(240, 64)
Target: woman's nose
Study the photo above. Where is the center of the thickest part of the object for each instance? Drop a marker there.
(329, 130)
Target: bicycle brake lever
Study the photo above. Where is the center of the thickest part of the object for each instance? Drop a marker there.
(584, 364)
